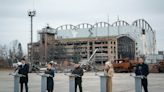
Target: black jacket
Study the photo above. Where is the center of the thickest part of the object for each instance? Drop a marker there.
(79, 72)
(24, 70)
(142, 69)
(50, 81)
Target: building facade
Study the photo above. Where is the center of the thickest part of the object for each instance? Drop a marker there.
(114, 41)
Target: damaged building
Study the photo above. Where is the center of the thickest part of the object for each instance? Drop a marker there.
(76, 43)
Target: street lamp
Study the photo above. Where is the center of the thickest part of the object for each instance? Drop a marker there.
(31, 14)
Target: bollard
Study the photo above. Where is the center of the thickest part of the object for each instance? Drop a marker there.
(103, 83)
(16, 81)
(138, 84)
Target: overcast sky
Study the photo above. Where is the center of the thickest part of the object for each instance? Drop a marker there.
(15, 23)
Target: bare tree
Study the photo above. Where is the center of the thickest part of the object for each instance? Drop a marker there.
(19, 52)
(3, 56)
(3, 51)
(15, 52)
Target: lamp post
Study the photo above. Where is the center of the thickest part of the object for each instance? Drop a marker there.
(31, 14)
(144, 42)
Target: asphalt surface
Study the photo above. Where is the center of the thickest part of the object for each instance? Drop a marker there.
(122, 82)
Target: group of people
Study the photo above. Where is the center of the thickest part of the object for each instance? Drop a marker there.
(141, 69)
(23, 69)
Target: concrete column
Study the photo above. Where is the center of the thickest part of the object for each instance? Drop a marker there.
(44, 81)
(16, 81)
(103, 83)
(71, 83)
(138, 86)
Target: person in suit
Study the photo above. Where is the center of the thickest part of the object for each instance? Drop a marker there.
(142, 70)
(23, 70)
(50, 81)
(78, 79)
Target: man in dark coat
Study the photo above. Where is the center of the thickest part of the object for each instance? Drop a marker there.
(23, 69)
(50, 81)
(78, 79)
(142, 70)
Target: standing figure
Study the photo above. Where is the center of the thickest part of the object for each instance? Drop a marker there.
(50, 81)
(108, 71)
(142, 70)
(24, 70)
(78, 79)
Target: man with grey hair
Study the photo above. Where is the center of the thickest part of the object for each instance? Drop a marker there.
(142, 70)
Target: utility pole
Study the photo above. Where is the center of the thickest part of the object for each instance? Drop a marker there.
(31, 14)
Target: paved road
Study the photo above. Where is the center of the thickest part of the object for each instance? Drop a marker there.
(91, 83)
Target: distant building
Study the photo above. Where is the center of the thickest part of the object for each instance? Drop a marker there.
(114, 41)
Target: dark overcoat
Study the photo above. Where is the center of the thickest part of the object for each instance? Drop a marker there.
(79, 72)
(142, 69)
(50, 81)
(24, 70)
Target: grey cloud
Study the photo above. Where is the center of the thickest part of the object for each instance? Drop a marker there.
(14, 17)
